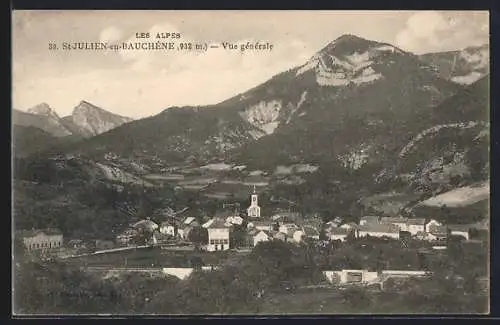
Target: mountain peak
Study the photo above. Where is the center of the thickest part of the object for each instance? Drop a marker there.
(84, 105)
(349, 38)
(93, 120)
(349, 43)
(42, 109)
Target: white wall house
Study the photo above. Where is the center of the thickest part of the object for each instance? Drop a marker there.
(218, 236)
(350, 225)
(415, 226)
(261, 236)
(167, 229)
(260, 225)
(401, 223)
(338, 233)
(379, 230)
(350, 276)
(287, 227)
(369, 220)
(297, 236)
(42, 239)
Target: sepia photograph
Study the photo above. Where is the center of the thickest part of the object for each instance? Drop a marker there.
(259, 163)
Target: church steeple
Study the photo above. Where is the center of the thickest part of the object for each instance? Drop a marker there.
(253, 210)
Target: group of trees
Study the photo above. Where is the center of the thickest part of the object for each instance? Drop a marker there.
(244, 285)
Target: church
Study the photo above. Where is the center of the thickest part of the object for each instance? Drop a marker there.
(253, 211)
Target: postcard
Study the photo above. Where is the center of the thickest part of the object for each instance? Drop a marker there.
(250, 163)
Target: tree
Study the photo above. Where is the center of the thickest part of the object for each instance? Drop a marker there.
(141, 237)
(198, 236)
(356, 298)
(238, 236)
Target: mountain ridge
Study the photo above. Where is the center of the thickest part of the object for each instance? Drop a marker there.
(337, 89)
(85, 121)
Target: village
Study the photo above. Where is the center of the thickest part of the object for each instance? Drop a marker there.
(233, 232)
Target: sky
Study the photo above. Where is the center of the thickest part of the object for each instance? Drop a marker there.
(141, 83)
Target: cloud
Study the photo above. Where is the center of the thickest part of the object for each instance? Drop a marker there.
(430, 31)
(140, 83)
(110, 34)
(141, 59)
(152, 83)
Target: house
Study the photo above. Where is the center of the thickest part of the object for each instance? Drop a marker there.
(218, 236)
(208, 223)
(167, 228)
(335, 222)
(315, 223)
(145, 224)
(350, 225)
(286, 217)
(369, 220)
(261, 225)
(42, 239)
(415, 225)
(432, 223)
(127, 236)
(379, 230)
(76, 244)
(400, 222)
(189, 220)
(338, 233)
(351, 276)
(184, 233)
(281, 236)
(289, 236)
(285, 228)
(437, 233)
(460, 230)
(235, 220)
(310, 232)
(261, 236)
(297, 236)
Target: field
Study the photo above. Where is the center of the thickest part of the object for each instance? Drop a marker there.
(461, 197)
(332, 301)
(152, 257)
(388, 203)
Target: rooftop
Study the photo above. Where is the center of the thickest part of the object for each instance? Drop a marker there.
(349, 224)
(394, 219)
(377, 227)
(34, 232)
(338, 231)
(374, 219)
(438, 229)
(218, 224)
(261, 223)
(226, 213)
(189, 220)
(310, 231)
(459, 227)
(268, 233)
(416, 221)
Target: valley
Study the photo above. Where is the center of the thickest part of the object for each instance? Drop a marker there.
(362, 129)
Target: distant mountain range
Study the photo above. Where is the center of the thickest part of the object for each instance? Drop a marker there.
(40, 127)
(87, 120)
(368, 116)
(355, 101)
(463, 67)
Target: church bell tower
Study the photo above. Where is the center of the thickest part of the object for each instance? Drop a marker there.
(253, 210)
